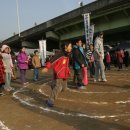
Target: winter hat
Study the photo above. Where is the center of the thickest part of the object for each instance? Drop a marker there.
(4, 47)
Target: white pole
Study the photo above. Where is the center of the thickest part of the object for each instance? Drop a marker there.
(42, 46)
(18, 21)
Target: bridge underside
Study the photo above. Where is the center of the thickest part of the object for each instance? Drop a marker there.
(113, 20)
(115, 25)
(33, 42)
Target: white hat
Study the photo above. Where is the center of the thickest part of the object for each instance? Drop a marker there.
(4, 47)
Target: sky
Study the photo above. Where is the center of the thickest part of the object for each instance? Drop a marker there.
(30, 12)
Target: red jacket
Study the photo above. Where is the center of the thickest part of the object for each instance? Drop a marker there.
(119, 57)
(108, 58)
(60, 63)
(2, 73)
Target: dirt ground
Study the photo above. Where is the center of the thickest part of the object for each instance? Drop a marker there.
(101, 106)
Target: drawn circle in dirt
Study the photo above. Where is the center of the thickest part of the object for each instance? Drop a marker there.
(29, 101)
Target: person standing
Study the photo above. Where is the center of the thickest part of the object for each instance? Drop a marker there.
(99, 56)
(90, 58)
(22, 59)
(79, 62)
(73, 64)
(8, 65)
(108, 61)
(126, 58)
(13, 56)
(119, 57)
(36, 64)
(2, 74)
(60, 65)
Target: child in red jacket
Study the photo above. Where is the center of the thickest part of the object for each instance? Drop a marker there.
(2, 74)
(60, 64)
(108, 61)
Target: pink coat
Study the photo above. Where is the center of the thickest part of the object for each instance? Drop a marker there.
(22, 57)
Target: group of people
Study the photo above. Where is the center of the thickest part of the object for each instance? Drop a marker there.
(8, 66)
(122, 57)
(118, 58)
(79, 56)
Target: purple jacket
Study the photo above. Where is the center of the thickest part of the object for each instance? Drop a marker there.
(22, 57)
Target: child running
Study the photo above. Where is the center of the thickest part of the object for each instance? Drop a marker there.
(60, 65)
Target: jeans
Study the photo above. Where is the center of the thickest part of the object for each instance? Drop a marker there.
(23, 75)
(7, 80)
(99, 70)
(36, 74)
(92, 69)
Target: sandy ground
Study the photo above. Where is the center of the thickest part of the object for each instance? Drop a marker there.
(101, 106)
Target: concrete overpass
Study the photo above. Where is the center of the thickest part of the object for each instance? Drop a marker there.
(110, 16)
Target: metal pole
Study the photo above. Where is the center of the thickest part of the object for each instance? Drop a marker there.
(18, 21)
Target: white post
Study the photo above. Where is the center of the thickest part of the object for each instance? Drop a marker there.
(18, 21)
(42, 47)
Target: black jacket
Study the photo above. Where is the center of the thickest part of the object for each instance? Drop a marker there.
(78, 57)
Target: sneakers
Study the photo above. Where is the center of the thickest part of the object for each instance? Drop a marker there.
(2, 94)
(95, 80)
(104, 80)
(26, 83)
(9, 89)
(49, 103)
(81, 87)
(99, 80)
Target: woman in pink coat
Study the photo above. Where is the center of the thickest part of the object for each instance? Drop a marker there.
(23, 64)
